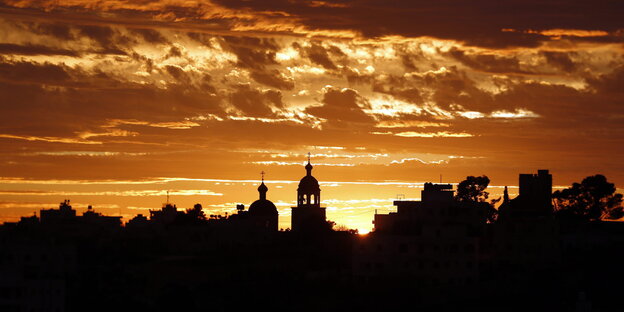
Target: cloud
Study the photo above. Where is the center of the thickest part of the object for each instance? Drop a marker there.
(273, 78)
(7, 48)
(256, 103)
(342, 107)
(478, 23)
(253, 53)
(26, 72)
(318, 54)
(197, 83)
(489, 62)
(561, 60)
(150, 35)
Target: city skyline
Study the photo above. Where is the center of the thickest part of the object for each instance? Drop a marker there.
(345, 212)
(113, 103)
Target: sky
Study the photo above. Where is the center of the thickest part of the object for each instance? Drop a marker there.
(113, 103)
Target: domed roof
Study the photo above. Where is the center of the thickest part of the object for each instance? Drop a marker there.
(308, 184)
(263, 188)
(262, 207)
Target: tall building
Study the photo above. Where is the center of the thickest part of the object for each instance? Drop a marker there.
(534, 199)
(308, 215)
(427, 244)
(524, 243)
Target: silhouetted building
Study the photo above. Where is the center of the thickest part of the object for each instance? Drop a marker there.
(263, 212)
(92, 217)
(139, 221)
(436, 207)
(524, 243)
(435, 253)
(166, 215)
(308, 215)
(65, 213)
(534, 199)
(431, 244)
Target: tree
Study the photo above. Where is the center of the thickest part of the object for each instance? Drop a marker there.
(592, 199)
(196, 213)
(472, 190)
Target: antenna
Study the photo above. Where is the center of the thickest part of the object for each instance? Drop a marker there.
(262, 173)
(309, 157)
(167, 196)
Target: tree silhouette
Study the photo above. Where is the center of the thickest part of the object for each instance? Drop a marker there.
(472, 190)
(592, 199)
(196, 213)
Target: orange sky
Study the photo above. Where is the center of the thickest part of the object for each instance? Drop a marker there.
(122, 100)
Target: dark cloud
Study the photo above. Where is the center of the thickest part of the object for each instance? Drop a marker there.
(357, 78)
(57, 30)
(178, 73)
(202, 38)
(57, 101)
(398, 87)
(342, 108)
(255, 103)
(571, 91)
(253, 53)
(273, 78)
(489, 62)
(26, 72)
(477, 23)
(410, 59)
(151, 36)
(560, 60)
(446, 88)
(100, 34)
(610, 83)
(174, 51)
(29, 49)
(317, 55)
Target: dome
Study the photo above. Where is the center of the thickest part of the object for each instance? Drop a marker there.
(308, 184)
(262, 207)
(263, 188)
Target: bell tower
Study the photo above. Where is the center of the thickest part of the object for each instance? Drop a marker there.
(308, 215)
(308, 192)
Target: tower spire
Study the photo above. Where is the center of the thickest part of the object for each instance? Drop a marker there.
(262, 189)
(505, 195)
(309, 167)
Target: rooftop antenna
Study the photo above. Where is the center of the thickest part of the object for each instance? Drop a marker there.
(262, 173)
(167, 196)
(309, 157)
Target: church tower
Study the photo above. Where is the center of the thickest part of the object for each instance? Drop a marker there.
(308, 215)
(263, 212)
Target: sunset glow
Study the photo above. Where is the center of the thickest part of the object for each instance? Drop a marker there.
(112, 103)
